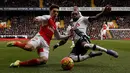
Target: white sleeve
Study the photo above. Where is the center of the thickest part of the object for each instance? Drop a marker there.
(42, 18)
(80, 14)
(86, 17)
(68, 30)
(86, 20)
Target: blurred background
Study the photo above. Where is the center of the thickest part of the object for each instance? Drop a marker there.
(16, 19)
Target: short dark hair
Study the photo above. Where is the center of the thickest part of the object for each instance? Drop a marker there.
(54, 6)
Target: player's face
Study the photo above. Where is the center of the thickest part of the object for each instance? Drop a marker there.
(75, 14)
(54, 12)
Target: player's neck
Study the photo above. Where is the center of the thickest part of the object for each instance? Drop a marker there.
(54, 18)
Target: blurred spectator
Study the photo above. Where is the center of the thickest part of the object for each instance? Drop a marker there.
(114, 3)
(120, 34)
(23, 25)
(64, 3)
(21, 3)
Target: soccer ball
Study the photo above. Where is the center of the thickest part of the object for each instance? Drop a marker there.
(67, 63)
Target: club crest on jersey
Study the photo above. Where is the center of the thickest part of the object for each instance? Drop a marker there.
(77, 24)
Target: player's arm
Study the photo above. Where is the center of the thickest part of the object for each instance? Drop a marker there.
(41, 19)
(62, 42)
(63, 37)
(59, 36)
(106, 10)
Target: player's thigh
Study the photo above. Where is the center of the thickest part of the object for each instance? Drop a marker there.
(79, 49)
(35, 42)
(43, 53)
(43, 49)
(73, 51)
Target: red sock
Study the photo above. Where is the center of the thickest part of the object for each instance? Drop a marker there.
(32, 62)
(104, 37)
(19, 44)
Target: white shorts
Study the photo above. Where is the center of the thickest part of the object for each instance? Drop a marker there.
(41, 45)
(104, 32)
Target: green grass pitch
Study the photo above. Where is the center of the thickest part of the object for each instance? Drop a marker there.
(102, 64)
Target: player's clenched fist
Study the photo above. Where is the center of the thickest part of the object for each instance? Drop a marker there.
(55, 46)
(107, 8)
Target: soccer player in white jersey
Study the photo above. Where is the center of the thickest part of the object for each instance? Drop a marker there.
(41, 40)
(81, 39)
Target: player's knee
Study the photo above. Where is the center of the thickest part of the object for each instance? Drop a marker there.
(43, 60)
(92, 46)
(85, 44)
(29, 47)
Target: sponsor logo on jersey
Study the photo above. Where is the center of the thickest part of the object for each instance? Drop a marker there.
(51, 28)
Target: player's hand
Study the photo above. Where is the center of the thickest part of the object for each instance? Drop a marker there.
(73, 28)
(107, 9)
(55, 46)
(72, 46)
(36, 21)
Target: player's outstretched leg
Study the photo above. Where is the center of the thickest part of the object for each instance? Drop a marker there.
(32, 62)
(110, 52)
(94, 54)
(113, 53)
(12, 43)
(79, 58)
(96, 47)
(16, 43)
(15, 64)
(24, 46)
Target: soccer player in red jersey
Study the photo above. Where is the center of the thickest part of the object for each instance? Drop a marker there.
(41, 40)
(104, 30)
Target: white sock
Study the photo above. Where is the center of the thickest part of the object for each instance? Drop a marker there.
(78, 58)
(101, 48)
(96, 47)
(83, 57)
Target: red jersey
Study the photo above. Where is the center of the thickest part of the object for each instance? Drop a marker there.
(48, 29)
(104, 26)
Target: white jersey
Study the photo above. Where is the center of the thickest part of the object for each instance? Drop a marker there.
(82, 24)
(68, 30)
